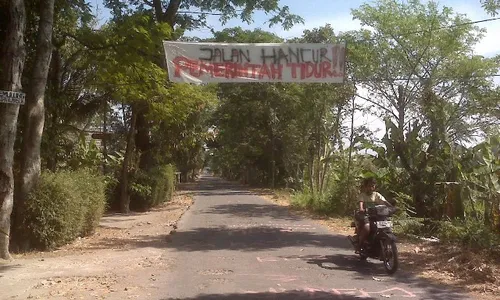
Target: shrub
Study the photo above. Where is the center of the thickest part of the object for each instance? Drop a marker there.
(153, 187)
(469, 233)
(303, 199)
(92, 188)
(113, 192)
(164, 184)
(63, 206)
(339, 198)
(316, 203)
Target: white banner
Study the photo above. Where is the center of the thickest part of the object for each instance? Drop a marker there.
(221, 62)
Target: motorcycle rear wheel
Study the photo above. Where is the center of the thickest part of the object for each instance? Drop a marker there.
(391, 259)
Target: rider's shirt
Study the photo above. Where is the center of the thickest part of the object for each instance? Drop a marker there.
(371, 200)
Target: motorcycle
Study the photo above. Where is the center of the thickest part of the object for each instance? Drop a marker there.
(381, 242)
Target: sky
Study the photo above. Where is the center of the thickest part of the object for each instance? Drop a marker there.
(337, 13)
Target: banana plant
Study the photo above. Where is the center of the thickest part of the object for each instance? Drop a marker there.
(479, 173)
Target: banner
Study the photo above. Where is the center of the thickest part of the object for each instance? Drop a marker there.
(221, 62)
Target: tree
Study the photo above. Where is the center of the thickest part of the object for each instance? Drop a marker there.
(247, 120)
(426, 83)
(180, 127)
(278, 133)
(176, 14)
(128, 69)
(35, 109)
(13, 56)
(324, 120)
(73, 98)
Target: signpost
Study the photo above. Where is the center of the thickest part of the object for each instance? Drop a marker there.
(12, 97)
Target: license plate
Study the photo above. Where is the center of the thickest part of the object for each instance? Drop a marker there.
(384, 224)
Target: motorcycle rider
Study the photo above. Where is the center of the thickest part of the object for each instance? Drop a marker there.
(368, 198)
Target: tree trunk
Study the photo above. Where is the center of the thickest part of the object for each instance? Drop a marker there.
(401, 111)
(13, 56)
(142, 139)
(50, 132)
(35, 110)
(487, 213)
(420, 197)
(311, 172)
(324, 172)
(104, 140)
(351, 146)
(329, 151)
(124, 195)
(51, 137)
(273, 160)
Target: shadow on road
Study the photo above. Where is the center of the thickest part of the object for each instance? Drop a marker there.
(369, 269)
(252, 239)
(213, 186)
(4, 267)
(223, 238)
(247, 210)
(288, 295)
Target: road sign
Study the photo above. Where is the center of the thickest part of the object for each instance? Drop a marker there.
(12, 97)
(101, 135)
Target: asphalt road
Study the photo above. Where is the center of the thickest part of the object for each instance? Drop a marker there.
(234, 245)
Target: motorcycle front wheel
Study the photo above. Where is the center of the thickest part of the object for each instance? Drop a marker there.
(391, 261)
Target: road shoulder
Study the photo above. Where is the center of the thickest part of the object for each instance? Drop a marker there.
(120, 260)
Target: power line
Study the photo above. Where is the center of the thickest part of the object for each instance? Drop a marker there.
(418, 78)
(427, 30)
(454, 25)
(205, 13)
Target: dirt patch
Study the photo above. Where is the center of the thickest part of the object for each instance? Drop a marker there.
(478, 273)
(120, 260)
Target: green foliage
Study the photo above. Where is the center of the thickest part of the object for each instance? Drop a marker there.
(274, 134)
(469, 233)
(341, 188)
(152, 188)
(491, 6)
(64, 205)
(412, 227)
(326, 204)
(305, 199)
(91, 187)
(181, 127)
(228, 10)
(131, 65)
(86, 155)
